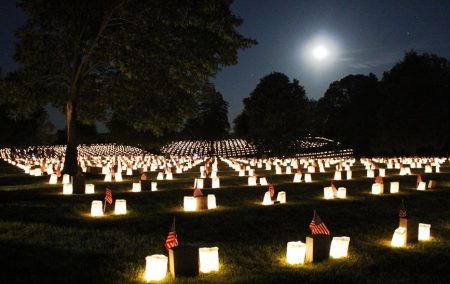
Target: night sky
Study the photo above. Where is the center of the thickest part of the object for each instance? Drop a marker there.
(362, 37)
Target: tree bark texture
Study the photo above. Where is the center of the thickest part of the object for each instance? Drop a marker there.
(71, 157)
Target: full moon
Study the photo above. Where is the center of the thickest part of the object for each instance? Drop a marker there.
(320, 52)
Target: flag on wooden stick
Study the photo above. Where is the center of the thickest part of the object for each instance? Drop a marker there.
(172, 238)
(271, 190)
(108, 198)
(317, 226)
(197, 191)
(108, 195)
(335, 191)
(403, 213)
(379, 180)
(419, 179)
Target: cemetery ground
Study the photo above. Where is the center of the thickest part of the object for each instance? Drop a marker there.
(48, 237)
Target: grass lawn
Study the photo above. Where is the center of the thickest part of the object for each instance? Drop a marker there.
(47, 237)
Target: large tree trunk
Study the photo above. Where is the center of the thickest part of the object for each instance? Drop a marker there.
(71, 157)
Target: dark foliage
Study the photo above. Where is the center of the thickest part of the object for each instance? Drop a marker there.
(275, 114)
(211, 121)
(138, 61)
(348, 112)
(416, 113)
(35, 130)
(407, 112)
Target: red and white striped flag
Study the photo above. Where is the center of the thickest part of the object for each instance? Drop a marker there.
(197, 192)
(403, 212)
(108, 195)
(317, 226)
(379, 180)
(419, 179)
(335, 191)
(271, 190)
(172, 238)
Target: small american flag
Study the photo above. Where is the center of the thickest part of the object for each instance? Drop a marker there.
(403, 213)
(419, 179)
(335, 191)
(172, 238)
(108, 196)
(379, 180)
(271, 190)
(197, 192)
(317, 226)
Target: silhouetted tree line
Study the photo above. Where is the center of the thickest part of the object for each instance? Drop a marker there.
(211, 118)
(276, 113)
(406, 112)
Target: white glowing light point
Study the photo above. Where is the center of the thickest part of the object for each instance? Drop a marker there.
(320, 52)
(215, 182)
(120, 207)
(66, 179)
(267, 200)
(328, 192)
(252, 181)
(296, 252)
(209, 259)
(424, 232)
(53, 179)
(395, 186)
(190, 203)
(211, 201)
(281, 197)
(67, 188)
(342, 193)
(155, 267)
(263, 181)
(298, 177)
(399, 237)
(96, 208)
(339, 247)
(136, 187)
(89, 188)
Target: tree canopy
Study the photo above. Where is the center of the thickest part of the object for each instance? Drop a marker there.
(416, 113)
(139, 61)
(20, 130)
(211, 121)
(407, 112)
(275, 114)
(351, 106)
(36, 129)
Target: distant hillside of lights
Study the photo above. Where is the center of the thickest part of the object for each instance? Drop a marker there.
(305, 147)
(313, 147)
(224, 148)
(317, 147)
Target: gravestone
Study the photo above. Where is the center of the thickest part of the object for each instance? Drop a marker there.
(146, 185)
(412, 229)
(202, 202)
(317, 248)
(183, 261)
